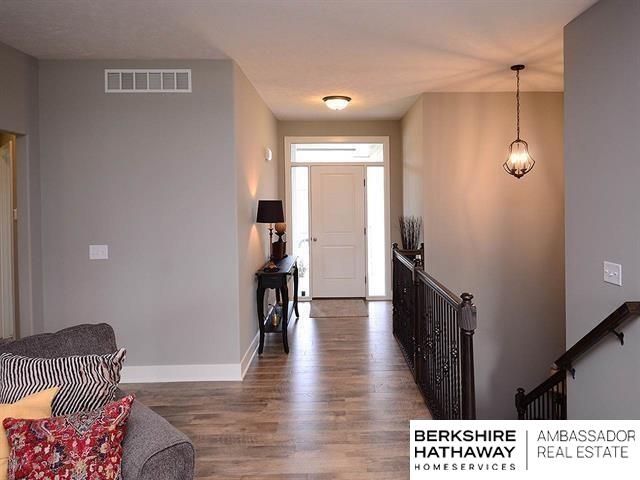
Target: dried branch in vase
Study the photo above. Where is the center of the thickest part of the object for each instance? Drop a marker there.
(410, 231)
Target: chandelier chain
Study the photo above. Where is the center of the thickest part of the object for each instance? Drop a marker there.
(518, 104)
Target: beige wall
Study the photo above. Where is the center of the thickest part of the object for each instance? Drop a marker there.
(495, 236)
(19, 115)
(390, 128)
(154, 177)
(256, 129)
(413, 159)
(602, 121)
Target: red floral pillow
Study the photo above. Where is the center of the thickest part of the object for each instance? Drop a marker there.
(84, 445)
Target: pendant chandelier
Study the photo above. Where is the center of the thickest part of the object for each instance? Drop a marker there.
(519, 162)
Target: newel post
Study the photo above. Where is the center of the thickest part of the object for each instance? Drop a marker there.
(394, 288)
(394, 280)
(520, 407)
(468, 324)
(418, 264)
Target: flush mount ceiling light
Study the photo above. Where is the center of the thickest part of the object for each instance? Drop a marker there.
(336, 102)
(519, 162)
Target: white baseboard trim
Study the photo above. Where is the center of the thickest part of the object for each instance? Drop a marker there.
(225, 372)
(221, 372)
(249, 354)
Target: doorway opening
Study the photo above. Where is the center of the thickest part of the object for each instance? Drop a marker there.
(8, 236)
(337, 206)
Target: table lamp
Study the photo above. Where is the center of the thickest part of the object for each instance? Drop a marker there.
(270, 211)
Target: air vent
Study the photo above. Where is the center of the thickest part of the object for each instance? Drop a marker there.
(147, 81)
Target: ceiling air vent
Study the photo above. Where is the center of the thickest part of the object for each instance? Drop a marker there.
(132, 80)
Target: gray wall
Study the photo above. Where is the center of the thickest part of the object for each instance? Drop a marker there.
(602, 121)
(389, 128)
(152, 176)
(495, 236)
(256, 129)
(19, 115)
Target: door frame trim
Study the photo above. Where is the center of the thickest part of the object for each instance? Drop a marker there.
(10, 142)
(289, 140)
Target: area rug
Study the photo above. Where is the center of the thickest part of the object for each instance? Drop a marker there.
(338, 308)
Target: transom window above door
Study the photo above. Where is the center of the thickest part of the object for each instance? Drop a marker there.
(337, 153)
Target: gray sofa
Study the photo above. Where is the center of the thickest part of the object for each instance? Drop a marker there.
(153, 449)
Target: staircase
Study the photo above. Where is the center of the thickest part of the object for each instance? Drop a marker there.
(548, 401)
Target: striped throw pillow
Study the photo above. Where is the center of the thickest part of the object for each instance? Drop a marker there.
(86, 382)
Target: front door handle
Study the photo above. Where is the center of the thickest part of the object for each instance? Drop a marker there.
(314, 239)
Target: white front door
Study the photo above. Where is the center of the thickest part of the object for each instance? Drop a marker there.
(337, 231)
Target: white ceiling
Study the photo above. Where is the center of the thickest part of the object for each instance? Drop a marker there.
(380, 52)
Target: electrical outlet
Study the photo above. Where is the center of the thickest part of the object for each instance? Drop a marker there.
(98, 252)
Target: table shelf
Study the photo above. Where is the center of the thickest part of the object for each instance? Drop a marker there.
(268, 326)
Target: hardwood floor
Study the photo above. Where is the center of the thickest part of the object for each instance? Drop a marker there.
(337, 407)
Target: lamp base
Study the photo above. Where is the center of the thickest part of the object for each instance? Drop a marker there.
(270, 267)
(278, 250)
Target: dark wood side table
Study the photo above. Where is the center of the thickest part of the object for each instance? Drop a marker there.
(287, 268)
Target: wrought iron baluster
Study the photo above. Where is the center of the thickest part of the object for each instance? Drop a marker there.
(434, 330)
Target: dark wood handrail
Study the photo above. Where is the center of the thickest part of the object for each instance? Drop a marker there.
(545, 386)
(408, 262)
(404, 257)
(451, 297)
(553, 390)
(409, 253)
(604, 328)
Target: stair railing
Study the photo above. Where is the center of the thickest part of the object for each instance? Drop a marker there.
(548, 401)
(434, 329)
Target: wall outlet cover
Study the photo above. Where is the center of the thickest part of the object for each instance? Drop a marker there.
(612, 273)
(98, 252)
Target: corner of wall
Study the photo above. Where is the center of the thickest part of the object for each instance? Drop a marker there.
(255, 128)
(20, 115)
(412, 158)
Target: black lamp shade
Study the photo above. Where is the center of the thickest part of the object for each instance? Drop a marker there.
(270, 211)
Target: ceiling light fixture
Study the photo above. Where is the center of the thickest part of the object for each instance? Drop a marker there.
(519, 162)
(336, 102)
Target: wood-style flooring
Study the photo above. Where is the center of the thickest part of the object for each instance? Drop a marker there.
(336, 408)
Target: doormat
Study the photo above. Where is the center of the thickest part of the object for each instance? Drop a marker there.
(338, 308)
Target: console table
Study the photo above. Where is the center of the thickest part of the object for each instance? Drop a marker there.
(278, 280)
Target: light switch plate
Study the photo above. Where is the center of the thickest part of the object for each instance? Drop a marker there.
(613, 273)
(98, 252)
